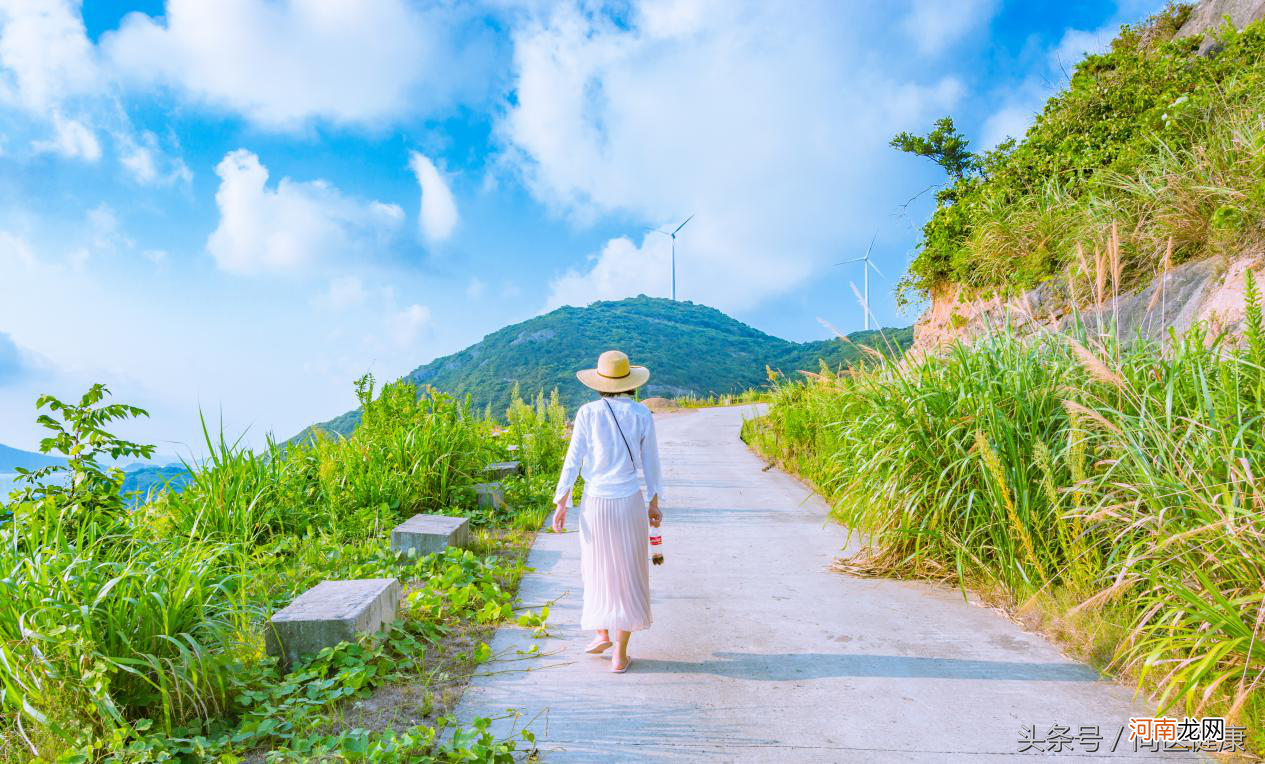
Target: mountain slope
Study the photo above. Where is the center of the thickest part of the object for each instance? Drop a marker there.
(691, 350)
(11, 458)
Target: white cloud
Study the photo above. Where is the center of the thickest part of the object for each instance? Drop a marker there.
(407, 324)
(72, 139)
(476, 288)
(14, 250)
(935, 25)
(343, 292)
(49, 69)
(438, 209)
(147, 163)
(621, 269)
(292, 226)
(759, 120)
(45, 56)
(281, 64)
(107, 235)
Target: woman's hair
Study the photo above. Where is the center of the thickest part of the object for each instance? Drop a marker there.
(615, 395)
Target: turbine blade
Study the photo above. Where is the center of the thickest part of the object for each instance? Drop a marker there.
(678, 228)
(867, 249)
(853, 260)
(870, 263)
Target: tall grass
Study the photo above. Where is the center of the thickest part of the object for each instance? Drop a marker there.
(538, 432)
(1122, 479)
(115, 617)
(753, 395)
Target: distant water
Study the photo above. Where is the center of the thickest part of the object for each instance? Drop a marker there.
(8, 482)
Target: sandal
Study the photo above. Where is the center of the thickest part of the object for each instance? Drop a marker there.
(598, 646)
(614, 670)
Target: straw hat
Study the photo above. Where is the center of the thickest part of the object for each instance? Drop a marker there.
(614, 374)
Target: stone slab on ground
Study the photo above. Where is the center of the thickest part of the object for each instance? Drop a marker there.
(425, 534)
(332, 612)
(760, 653)
(490, 495)
(500, 470)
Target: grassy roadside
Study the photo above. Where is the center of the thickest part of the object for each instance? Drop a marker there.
(132, 630)
(1109, 494)
(712, 401)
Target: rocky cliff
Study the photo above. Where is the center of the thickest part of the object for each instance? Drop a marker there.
(1209, 15)
(1209, 290)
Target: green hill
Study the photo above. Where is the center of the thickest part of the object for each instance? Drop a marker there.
(691, 350)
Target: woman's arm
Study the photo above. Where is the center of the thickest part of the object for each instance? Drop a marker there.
(576, 452)
(653, 472)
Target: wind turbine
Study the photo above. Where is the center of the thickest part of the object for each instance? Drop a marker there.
(672, 236)
(868, 265)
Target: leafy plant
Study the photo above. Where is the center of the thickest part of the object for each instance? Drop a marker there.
(536, 622)
(83, 487)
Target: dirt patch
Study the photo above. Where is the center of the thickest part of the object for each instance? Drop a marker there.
(659, 405)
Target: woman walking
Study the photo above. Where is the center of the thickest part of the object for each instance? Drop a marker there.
(613, 437)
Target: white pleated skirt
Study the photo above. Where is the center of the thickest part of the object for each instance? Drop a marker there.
(614, 552)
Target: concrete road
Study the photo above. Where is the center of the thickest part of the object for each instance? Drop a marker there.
(760, 653)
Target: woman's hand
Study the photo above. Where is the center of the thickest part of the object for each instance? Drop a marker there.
(656, 517)
(560, 518)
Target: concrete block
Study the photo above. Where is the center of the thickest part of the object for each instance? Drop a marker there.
(490, 495)
(499, 470)
(423, 534)
(332, 612)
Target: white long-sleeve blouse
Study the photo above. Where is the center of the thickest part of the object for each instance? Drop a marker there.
(598, 453)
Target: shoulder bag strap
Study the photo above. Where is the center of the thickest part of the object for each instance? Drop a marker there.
(621, 432)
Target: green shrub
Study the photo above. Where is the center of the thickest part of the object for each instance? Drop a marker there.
(1150, 135)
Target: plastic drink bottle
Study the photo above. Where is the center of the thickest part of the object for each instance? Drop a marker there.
(656, 546)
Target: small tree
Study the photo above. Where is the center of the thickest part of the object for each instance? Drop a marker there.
(82, 488)
(944, 145)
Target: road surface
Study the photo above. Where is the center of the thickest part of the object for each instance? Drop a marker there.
(760, 653)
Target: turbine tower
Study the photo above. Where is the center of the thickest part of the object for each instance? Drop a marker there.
(672, 236)
(865, 301)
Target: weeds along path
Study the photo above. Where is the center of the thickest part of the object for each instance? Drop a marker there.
(760, 653)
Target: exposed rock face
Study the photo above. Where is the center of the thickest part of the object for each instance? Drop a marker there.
(1210, 14)
(1209, 290)
(537, 336)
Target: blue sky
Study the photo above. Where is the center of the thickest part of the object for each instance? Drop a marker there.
(238, 207)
